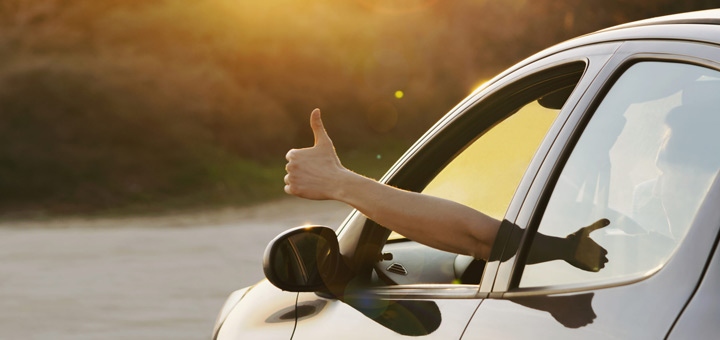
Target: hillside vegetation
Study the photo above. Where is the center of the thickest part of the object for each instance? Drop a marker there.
(114, 104)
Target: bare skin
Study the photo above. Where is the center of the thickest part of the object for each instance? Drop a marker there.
(316, 173)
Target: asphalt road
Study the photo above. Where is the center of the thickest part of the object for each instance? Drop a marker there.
(138, 278)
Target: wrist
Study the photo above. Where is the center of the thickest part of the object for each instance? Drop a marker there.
(344, 185)
(569, 247)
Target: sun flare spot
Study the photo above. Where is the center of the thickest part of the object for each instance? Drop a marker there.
(399, 94)
(479, 85)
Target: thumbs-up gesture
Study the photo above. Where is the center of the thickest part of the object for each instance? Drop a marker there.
(315, 172)
(587, 254)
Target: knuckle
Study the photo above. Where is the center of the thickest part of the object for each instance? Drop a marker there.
(290, 154)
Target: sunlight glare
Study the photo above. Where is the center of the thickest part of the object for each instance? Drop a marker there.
(479, 85)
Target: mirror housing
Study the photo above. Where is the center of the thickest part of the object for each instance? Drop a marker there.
(303, 259)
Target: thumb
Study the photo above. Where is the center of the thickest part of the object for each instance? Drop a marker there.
(321, 136)
(601, 223)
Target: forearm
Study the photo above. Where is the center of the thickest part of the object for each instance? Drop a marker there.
(433, 221)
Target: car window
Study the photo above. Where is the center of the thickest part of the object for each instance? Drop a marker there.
(644, 162)
(484, 176)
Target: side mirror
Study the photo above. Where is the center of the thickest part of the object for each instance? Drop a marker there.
(303, 259)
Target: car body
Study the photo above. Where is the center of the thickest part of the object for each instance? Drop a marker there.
(622, 124)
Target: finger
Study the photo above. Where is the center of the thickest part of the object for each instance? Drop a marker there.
(287, 179)
(288, 190)
(321, 136)
(290, 154)
(601, 223)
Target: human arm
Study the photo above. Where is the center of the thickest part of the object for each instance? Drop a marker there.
(316, 173)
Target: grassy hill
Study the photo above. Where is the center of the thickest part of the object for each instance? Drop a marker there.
(117, 104)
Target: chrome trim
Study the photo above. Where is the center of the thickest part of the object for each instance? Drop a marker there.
(574, 288)
(427, 291)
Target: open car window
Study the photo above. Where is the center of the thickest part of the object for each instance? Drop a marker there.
(483, 175)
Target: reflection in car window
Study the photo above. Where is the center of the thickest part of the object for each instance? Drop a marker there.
(644, 162)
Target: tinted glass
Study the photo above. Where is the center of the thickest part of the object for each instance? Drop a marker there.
(644, 162)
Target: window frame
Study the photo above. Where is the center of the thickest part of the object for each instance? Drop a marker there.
(367, 238)
(471, 124)
(530, 216)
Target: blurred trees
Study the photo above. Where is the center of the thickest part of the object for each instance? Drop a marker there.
(106, 103)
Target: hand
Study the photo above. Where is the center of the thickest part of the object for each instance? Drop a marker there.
(585, 254)
(315, 172)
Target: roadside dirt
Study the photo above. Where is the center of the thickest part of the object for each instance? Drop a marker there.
(162, 277)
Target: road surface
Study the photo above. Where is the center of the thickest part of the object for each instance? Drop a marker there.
(138, 278)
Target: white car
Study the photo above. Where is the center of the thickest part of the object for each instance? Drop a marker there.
(620, 125)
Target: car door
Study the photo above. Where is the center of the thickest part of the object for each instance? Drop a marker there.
(640, 152)
(407, 289)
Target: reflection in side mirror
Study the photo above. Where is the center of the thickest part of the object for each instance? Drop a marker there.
(303, 259)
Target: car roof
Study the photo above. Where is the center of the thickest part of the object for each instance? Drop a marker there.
(700, 26)
(706, 17)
